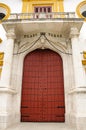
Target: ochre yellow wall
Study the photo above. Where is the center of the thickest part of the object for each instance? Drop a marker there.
(28, 5)
(1, 61)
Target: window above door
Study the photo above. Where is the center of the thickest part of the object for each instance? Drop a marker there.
(43, 9)
(50, 6)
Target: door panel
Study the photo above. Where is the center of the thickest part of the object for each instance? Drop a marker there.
(42, 87)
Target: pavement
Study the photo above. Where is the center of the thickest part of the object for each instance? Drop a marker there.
(40, 126)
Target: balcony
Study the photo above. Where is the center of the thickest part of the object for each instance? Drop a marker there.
(56, 22)
(43, 16)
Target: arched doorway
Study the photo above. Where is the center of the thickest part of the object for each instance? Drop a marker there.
(42, 87)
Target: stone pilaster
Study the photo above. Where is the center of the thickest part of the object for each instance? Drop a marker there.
(77, 115)
(78, 69)
(7, 113)
(7, 67)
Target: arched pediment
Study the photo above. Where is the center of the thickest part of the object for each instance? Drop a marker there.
(43, 40)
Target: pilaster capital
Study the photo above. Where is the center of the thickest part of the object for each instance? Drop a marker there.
(74, 33)
(11, 33)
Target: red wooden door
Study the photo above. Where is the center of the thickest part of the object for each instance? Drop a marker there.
(43, 88)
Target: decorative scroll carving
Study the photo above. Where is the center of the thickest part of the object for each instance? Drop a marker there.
(74, 32)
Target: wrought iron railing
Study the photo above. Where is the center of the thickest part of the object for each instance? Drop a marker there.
(36, 16)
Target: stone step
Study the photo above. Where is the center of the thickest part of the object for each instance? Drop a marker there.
(40, 126)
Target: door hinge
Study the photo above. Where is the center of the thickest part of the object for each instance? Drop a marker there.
(60, 107)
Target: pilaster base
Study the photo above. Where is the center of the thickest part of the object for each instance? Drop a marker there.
(8, 114)
(81, 123)
(6, 120)
(71, 120)
(77, 123)
(77, 113)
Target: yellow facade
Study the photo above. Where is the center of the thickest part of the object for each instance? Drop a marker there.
(79, 8)
(28, 5)
(0, 40)
(7, 9)
(1, 61)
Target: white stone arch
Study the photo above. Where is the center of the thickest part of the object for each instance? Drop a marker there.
(61, 50)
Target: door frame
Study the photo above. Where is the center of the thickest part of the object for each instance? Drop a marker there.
(67, 74)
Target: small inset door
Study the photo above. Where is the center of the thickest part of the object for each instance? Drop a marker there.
(42, 88)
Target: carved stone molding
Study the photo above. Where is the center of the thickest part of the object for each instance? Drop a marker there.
(11, 32)
(7, 90)
(42, 40)
(74, 32)
(78, 90)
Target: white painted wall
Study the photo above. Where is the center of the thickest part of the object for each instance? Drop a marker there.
(2, 32)
(16, 7)
(70, 5)
(83, 31)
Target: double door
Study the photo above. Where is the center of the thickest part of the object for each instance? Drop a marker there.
(43, 88)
